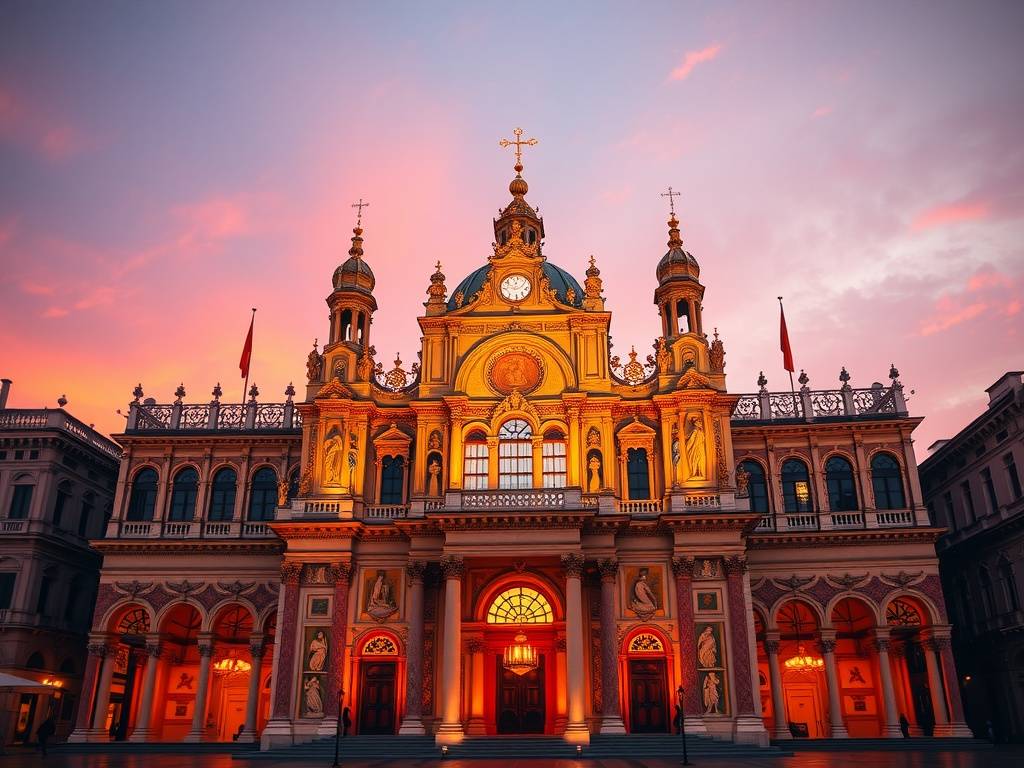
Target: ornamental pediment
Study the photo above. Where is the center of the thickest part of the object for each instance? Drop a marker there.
(333, 390)
(515, 402)
(693, 379)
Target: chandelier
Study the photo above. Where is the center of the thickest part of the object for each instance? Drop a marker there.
(229, 665)
(804, 662)
(520, 657)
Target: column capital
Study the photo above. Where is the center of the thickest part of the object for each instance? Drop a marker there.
(827, 646)
(475, 645)
(683, 567)
(154, 649)
(340, 572)
(735, 564)
(453, 567)
(290, 572)
(205, 643)
(99, 648)
(414, 571)
(937, 643)
(609, 569)
(771, 647)
(572, 564)
(257, 644)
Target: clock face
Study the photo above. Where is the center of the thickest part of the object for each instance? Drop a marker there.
(515, 287)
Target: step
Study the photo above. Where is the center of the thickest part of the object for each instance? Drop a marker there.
(930, 744)
(154, 747)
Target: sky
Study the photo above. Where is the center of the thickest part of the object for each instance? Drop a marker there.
(166, 166)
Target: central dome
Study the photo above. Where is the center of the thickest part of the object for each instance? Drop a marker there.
(561, 282)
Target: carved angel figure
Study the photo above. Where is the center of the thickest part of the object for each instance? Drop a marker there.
(317, 653)
(707, 648)
(742, 482)
(696, 450)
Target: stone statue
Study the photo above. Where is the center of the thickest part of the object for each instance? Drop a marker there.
(644, 602)
(676, 455)
(352, 463)
(696, 450)
(707, 648)
(381, 603)
(314, 700)
(334, 450)
(434, 479)
(314, 365)
(316, 654)
(594, 474)
(434, 441)
(282, 493)
(711, 694)
(742, 482)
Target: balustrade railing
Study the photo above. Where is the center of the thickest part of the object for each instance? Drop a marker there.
(806, 404)
(386, 511)
(44, 418)
(640, 506)
(212, 416)
(837, 521)
(898, 518)
(188, 529)
(539, 499)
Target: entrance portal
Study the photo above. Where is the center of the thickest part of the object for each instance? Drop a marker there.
(647, 699)
(520, 700)
(377, 698)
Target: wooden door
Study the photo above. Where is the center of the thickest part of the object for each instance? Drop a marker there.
(803, 710)
(648, 704)
(377, 698)
(520, 700)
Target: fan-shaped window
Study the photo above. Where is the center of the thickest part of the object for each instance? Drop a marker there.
(263, 494)
(381, 645)
(515, 455)
(757, 487)
(222, 494)
(902, 613)
(233, 624)
(554, 460)
(183, 495)
(143, 497)
(851, 618)
(645, 642)
(1006, 576)
(637, 475)
(35, 661)
(886, 482)
(392, 480)
(796, 486)
(520, 605)
(134, 622)
(63, 497)
(474, 465)
(796, 621)
(842, 495)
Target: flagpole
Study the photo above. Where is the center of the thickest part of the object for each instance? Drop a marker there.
(792, 387)
(245, 387)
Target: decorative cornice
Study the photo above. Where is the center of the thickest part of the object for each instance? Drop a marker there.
(844, 538)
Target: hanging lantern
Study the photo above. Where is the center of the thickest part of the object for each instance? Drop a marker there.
(804, 662)
(520, 657)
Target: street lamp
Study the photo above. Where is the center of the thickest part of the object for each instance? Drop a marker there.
(337, 730)
(682, 724)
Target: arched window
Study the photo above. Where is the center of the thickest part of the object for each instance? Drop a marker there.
(222, 495)
(392, 477)
(515, 455)
(842, 495)
(263, 494)
(345, 332)
(554, 460)
(637, 475)
(63, 497)
(474, 465)
(757, 488)
(35, 661)
(796, 486)
(520, 605)
(183, 495)
(988, 596)
(683, 315)
(1006, 576)
(293, 484)
(88, 505)
(21, 498)
(143, 497)
(886, 482)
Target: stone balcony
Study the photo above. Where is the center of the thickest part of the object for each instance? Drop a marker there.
(807, 405)
(191, 529)
(786, 522)
(18, 419)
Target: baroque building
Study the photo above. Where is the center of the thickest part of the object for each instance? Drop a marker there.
(521, 533)
(973, 489)
(57, 480)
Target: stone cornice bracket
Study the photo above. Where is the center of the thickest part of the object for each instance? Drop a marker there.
(415, 570)
(453, 567)
(290, 573)
(736, 564)
(339, 572)
(572, 564)
(609, 569)
(683, 567)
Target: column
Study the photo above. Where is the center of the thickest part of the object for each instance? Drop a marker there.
(256, 647)
(931, 658)
(202, 689)
(93, 670)
(99, 716)
(286, 630)
(561, 690)
(827, 644)
(611, 714)
(958, 725)
(450, 730)
(749, 725)
(576, 730)
(891, 729)
(141, 732)
(341, 574)
(781, 729)
(682, 567)
(412, 723)
(475, 724)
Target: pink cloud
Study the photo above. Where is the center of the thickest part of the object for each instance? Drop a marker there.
(1012, 308)
(55, 312)
(952, 318)
(217, 218)
(96, 297)
(36, 289)
(951, 213)
(988, 279)
(821, 112)
(692, 59)
(28, 125)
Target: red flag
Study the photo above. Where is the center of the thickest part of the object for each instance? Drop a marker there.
(787, 351)
(243, 363)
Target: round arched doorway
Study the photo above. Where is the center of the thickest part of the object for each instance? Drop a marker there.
(380, 668)
(646, 661)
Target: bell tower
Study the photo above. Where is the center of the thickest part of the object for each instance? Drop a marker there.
(679, 293)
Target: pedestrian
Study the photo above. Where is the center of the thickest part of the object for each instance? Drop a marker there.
(678, 721)
(904, 726)
(346, 721)
(44, 732)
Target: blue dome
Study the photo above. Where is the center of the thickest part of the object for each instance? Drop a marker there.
(561, 281)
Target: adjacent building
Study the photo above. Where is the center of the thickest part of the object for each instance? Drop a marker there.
(57, 478)
(973, 488)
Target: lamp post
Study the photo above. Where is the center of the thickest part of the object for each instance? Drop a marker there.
(682, 724)
(337, 731)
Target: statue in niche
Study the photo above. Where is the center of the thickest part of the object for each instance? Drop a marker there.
(282, 493)
(381, 602)
(711, 694)
(316, 654)
(314, 365)
(742, 482)
(334, 451)
(352, 463)
(434, 478)
(696, 450)
(313, 697)
(676, 455)
(594, 474)
(707, 648)
(644, 602)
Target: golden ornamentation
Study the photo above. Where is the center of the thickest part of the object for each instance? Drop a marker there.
(693, 380)
(333, 390)
(518, 143)
(515, 368)
(515, 245)
(515, 402)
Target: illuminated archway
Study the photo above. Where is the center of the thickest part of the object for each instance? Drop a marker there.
(520, 605)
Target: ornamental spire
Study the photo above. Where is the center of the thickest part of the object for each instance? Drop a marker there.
(356, 251)
(437, 291)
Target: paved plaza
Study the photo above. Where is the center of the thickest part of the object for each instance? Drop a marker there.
(995, 758)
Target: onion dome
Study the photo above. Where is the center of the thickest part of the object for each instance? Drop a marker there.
(677, 264)
(355, 274)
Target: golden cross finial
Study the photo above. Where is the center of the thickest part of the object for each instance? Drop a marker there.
(360, 205)
(671, 203)
(518, 144)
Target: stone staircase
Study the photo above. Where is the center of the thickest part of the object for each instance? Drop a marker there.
(914, 744)
(156, 747)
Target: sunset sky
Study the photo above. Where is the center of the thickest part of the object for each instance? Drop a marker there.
(166, 166)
